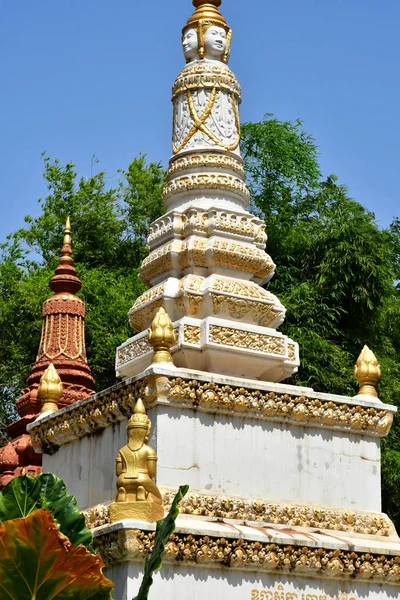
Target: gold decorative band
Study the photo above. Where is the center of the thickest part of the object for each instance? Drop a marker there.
(275, 405)
(207, 181)
(205, 160)
(101, 410)
(134, 544)
(239, 338)
(206, 76)
(262, 511)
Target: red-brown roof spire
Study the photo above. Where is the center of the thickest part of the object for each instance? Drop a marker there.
(65, 278)
(63, 344)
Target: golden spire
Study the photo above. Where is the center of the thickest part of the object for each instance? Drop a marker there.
(50, 389)
(367, 372)
(162, 337)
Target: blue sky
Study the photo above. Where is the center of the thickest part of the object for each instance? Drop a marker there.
(85, 77)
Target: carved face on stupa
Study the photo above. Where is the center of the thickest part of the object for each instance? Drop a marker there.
(190, 44)
(215, 42)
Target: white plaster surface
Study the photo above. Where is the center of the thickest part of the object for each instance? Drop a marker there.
(187, 582)
(235, 456)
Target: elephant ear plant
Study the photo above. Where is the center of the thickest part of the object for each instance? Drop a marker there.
(45, 546)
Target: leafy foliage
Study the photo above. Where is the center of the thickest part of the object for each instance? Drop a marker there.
(37, 561)
(163, 530)
(24, 494)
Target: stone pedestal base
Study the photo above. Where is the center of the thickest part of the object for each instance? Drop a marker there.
(144, 511)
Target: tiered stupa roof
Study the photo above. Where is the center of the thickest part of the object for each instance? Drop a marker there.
(207, 265)
(62, 344)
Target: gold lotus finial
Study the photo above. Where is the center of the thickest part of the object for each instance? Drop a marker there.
(162, 337)
(50, 390)
(367, 372)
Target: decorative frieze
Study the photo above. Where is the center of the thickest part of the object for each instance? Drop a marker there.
(213, 160)
(281, 406)
(191, 334)
(102, 410)
(261, 511)
(133, 349)
(86, 417)
(239, 338)
(208, 76)
(257, 510)
(207, 181)
(242, 554)
(263, 313)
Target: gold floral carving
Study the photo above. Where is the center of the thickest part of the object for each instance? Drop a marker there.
(244, 225)
(191, 334)
(194, 220)
(133, 350)
(98, 515)
(241, 554)
(149, 295)
(282, 514)
(229, 336)
(242, 288)
(242, 257)
(102, 410)
(206, 160)
(292, 352)
(273, 405)
(140, 319)
(262, 313)
(191, 283)
(194, 253)
(209, 181)
(244, 509)
(189, 303)
(90, 415)
(159, 261)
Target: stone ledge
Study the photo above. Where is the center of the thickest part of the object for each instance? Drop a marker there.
(217, 394)
(199, 505)
(273, 549)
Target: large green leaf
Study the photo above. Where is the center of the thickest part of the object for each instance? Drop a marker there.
(163, 530)
(24, 494)
(38, 562)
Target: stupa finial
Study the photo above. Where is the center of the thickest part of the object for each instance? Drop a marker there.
(367, 372)
(65, 278)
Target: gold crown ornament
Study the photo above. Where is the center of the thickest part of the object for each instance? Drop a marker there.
(206, 15)
(139, 419)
